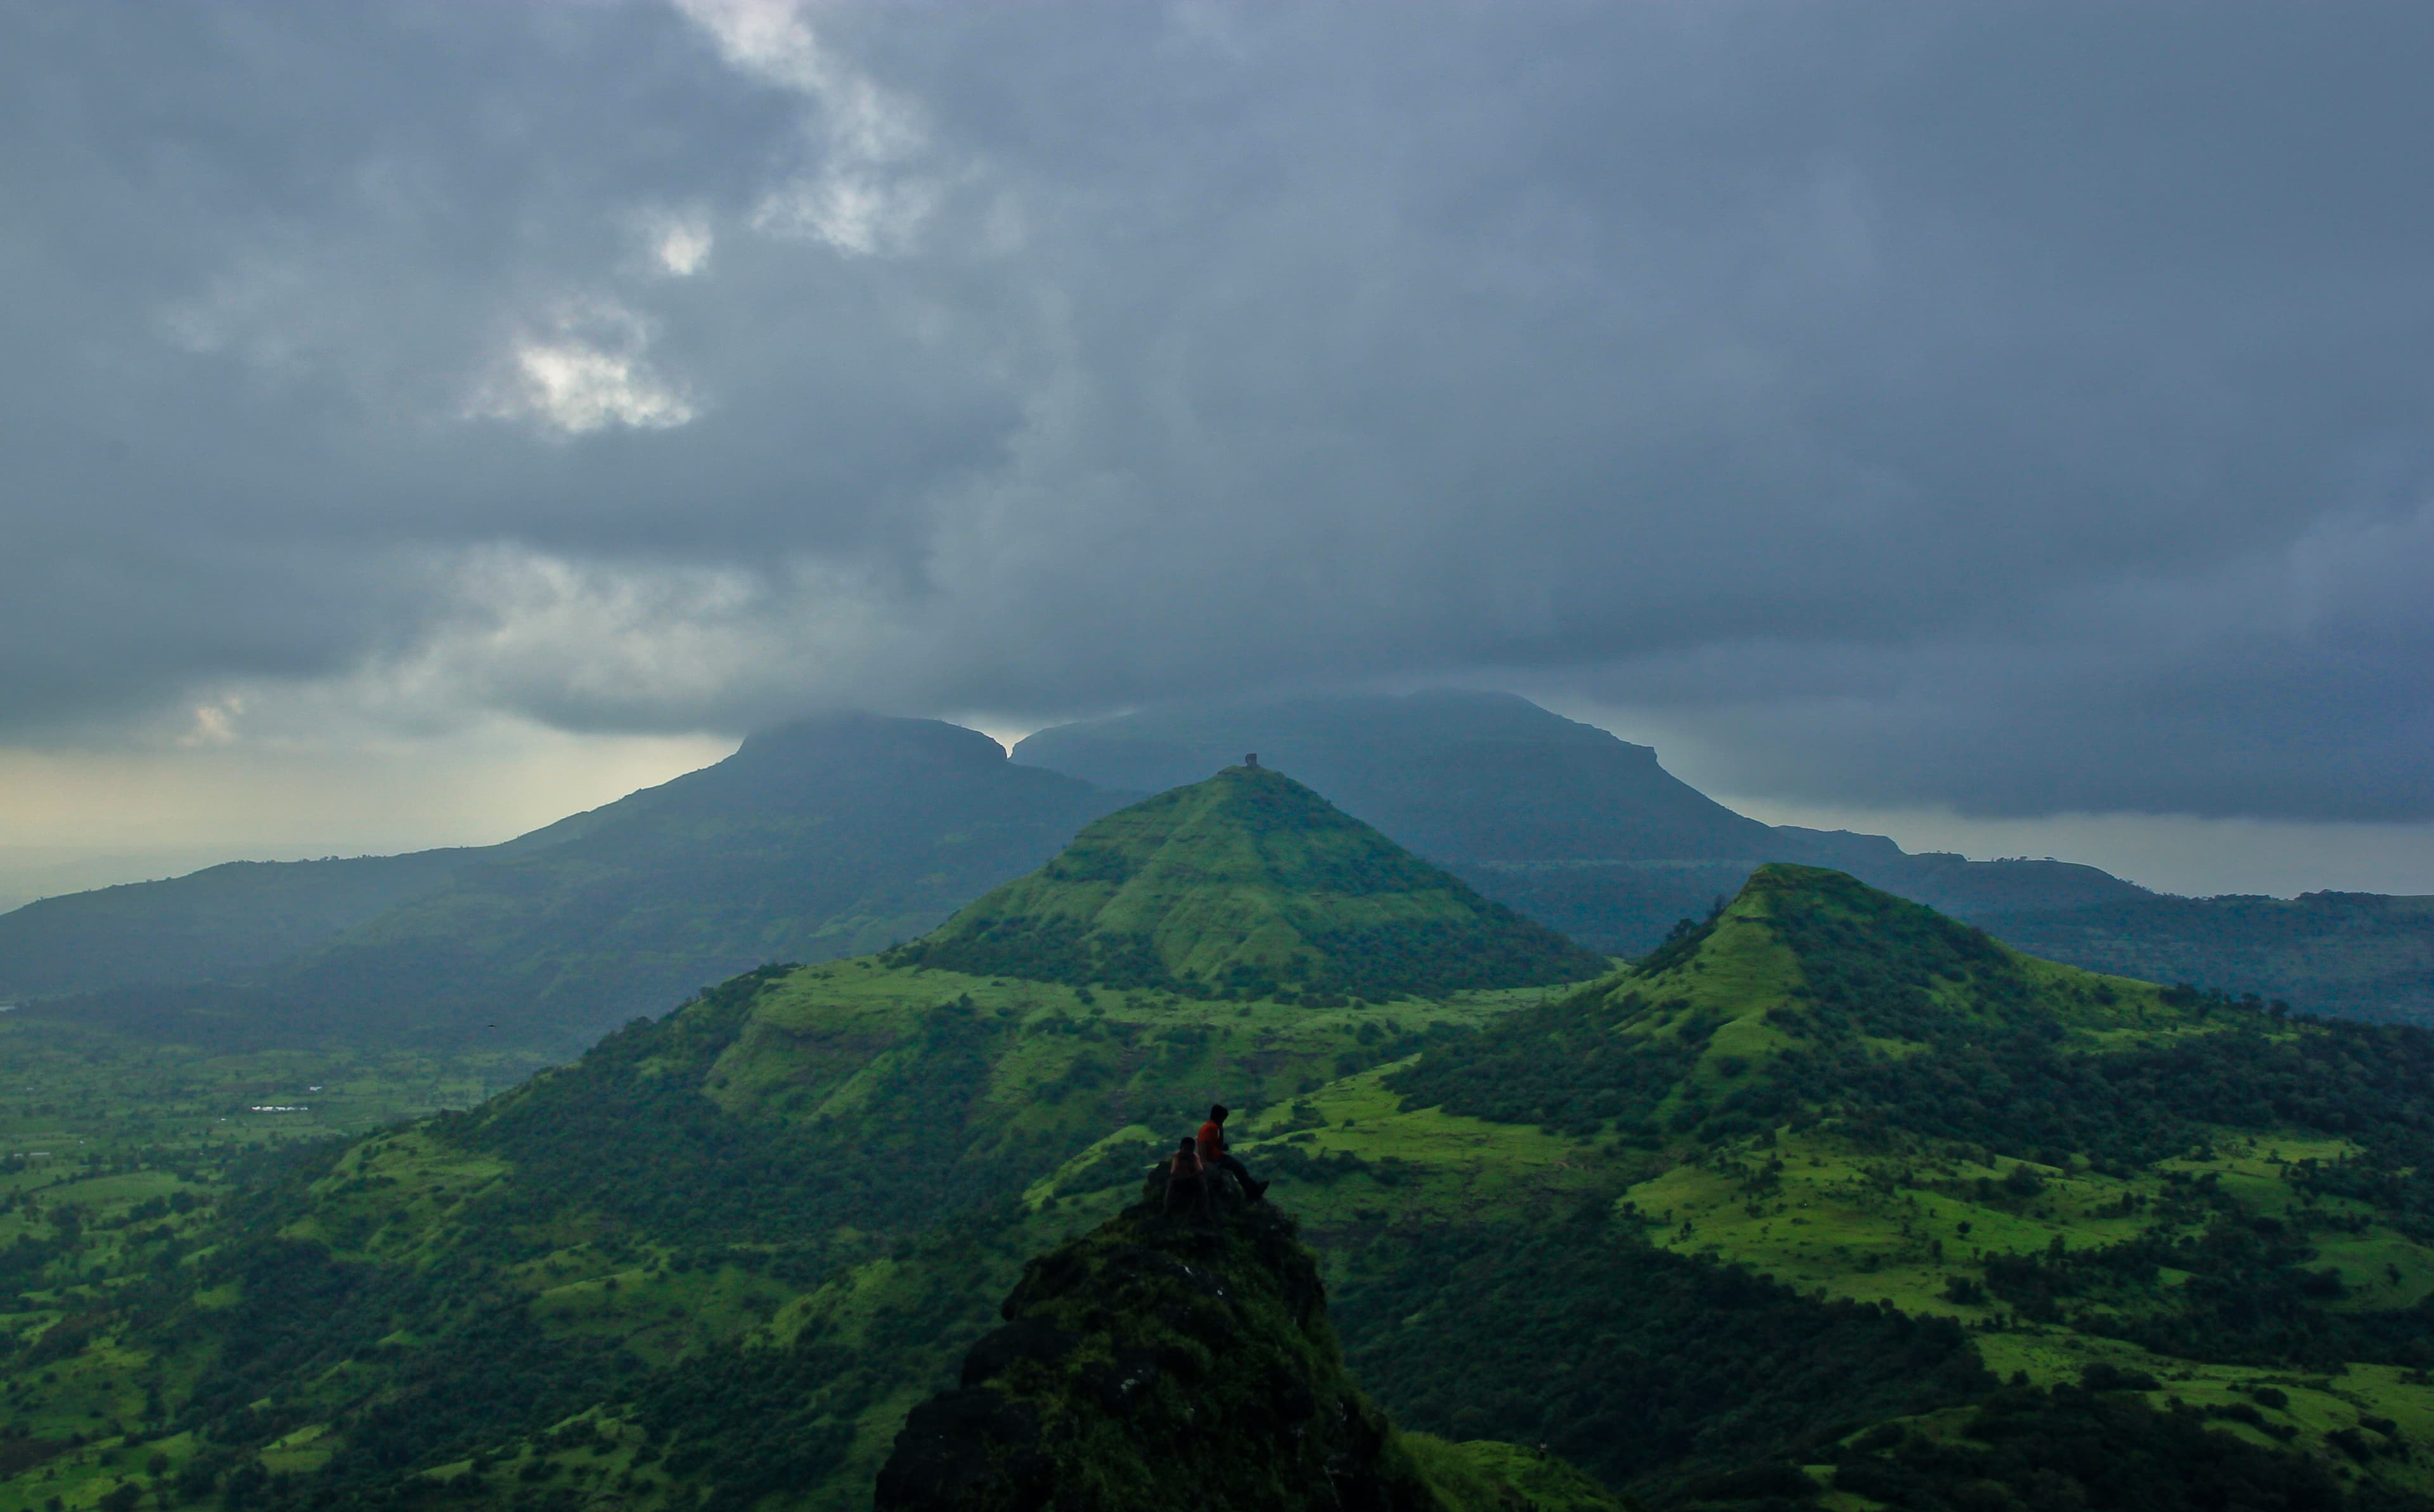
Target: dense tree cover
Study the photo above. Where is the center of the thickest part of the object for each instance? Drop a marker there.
(627, 1133)
(1559, 1064)
(1696, 1385)
(1046, 950)
(1157, 1361)
(2072, 1448)
(1871, 965)
(1868, 961)
(1643, 1366)
(733, 1421)
(1994, 1072)
(2250, 1292)
(482, 1368)
(24, 1260)
(1492, 948)
(627, 1138)
(743, 1419)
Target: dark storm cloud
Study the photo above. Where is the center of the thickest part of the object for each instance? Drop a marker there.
(2019, 406)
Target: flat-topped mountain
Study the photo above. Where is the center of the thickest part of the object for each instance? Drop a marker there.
(1247, 885)
(839, 835)
(823, 839)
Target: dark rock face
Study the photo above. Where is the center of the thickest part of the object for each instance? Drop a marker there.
(1158, 1361)
(967, 1448)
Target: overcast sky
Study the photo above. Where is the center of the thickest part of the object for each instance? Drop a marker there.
(413, 412)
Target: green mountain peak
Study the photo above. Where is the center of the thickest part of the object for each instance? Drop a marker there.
(1247, 885)
(1805, 998)
(1818, 955)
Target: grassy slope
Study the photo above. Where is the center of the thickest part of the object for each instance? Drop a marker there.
(1832, 1214)
(1246, 884)
(1759, 1141)
(662, 1277)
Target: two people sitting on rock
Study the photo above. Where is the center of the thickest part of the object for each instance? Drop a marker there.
(1195, 1162)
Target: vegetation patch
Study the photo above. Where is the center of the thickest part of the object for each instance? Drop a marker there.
(1248, 886)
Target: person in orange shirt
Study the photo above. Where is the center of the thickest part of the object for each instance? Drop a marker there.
(1212, 1152)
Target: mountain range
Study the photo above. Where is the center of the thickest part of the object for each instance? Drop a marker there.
(828, 838)
(837, 836)
(1557, 818)
(1827, 1201)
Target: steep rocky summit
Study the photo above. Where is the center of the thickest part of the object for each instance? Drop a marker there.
(1159, 1362)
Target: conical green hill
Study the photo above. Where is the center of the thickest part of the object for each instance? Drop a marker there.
(1247, 885)
(1826, 958)
(1810, 995)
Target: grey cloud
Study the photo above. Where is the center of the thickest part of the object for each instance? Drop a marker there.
(1933, 402)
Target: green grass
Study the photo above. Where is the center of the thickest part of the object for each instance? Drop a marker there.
(139, 1144)
(818, 1183)
(1248, 885)
(1350, 1156)
(1867, 1228)
(1483, 1475)
(70, 1093)
(819, 1048)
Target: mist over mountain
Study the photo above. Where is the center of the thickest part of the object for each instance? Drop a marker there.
(2355, 955)
(1265, 1094)
(1556, 818)
(826, 837)
(846, 834)
(218, 922)
(1589, 834)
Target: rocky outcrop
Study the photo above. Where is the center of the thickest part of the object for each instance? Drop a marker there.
(1159, 1362)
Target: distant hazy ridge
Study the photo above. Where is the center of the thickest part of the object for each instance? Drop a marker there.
(837, 836)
